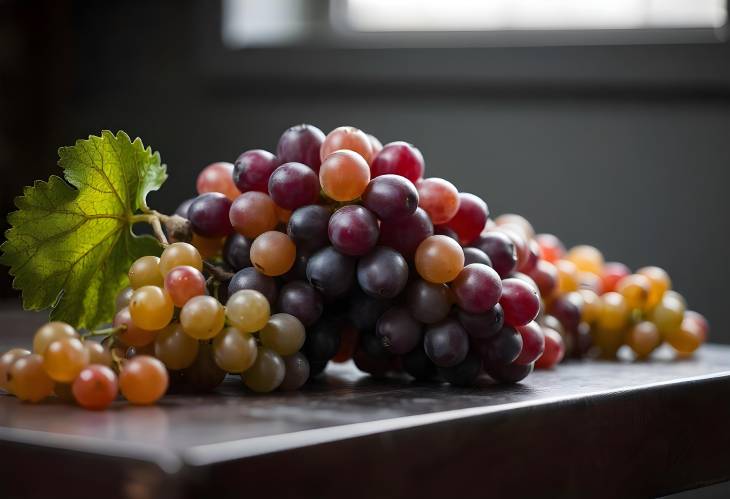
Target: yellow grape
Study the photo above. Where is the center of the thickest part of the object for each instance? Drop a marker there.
(64, 359)
(145, 271)
(143, 380)
(50, 332)
(284, 334)
(248, 310)
(28, 380)
(668, 313)
(568, 278)
(608, 341)
(234, 351)
(635, 288)
(178, 254)
(659, 281)
(151, 308)
(174, 348)
(687, 338)
(6, 361)
(643, 338)
(591, 305)
(203, 317)
(98, 354)
(586, 258)
(614, 312)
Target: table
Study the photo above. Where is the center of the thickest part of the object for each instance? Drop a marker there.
(585, 429)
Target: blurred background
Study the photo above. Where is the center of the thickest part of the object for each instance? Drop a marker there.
(606, 122)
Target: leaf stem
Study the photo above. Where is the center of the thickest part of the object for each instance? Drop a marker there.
(105, 331)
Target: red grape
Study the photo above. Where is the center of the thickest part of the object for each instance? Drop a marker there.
(477, 288)
(217, 177)
(353, 230)
(470, 218)
(533, 343)
(520, 302)
(399, 158)
(301, 143)
(293, 185)
(253, 169)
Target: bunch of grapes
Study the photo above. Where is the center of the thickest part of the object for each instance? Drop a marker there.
(599, 306)
(337, 248)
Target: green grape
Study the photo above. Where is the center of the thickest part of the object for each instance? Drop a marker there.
(145, 271)
(178, 254)
(50, 332)
(203, 317)
(248, 310)
(284, 334)
(234, 351)
(28, 379)
(266, 373)
(64, 359)
(151, 308)
(174, 348)
(668, 313)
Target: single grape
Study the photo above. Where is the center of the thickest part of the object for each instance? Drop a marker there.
(234, 351)
(363, 310)
(143, 380)
(691, 315)
(375, 144)
(470, 218)
(614, 312)
(353, 230)
(50, 332)
(266, 373)
(516, 221)
(208, 215)
(204, 374)
(130, 334)
(348, 138)
(398, 330)
(296, 372)
(28, 380)
(250, 278)
(301, 143)
(519, 242)
(482, 326)
(6, 361)
(501, 251)
(344, 175)
(643, 338)
(439, 259)
(533, 256)
(382, 273)
(533, 343)
(293, 185)
(252, 170)
(501, 349)
(390, 196)
(301, 300)
(237, 251)
(178, 254)
(510, 373)
(323, 340)
(331, 272)
(464, 373)
(273, 253)
(551, 248)
(568, 276)
(446, 343)
(417, 364)
(174, 348)
(545, 275)
(151, 308)
(248, 310)
(554, 349)
(404, 234)
(308, 226)
(591, 305)
(64, 359)
(284, 334)
(687, 338)
(122, 299)
(253, 213)
(217, 177)
(668, 314)
(399, 158)
(636, 289)
(202, 317)
(659, 282)
(477, 288)
(439, 198)
(568, 309)
(428, 302)
(612, 273)
(95, 388)
(145, 271)
(520, 302)
(184, 282)
(590, 281)
(475, 255)
(586, 258)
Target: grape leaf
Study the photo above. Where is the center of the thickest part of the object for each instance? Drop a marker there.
(70, 246)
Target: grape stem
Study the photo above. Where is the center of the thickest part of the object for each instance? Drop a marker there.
(218, 273)
(105, 331)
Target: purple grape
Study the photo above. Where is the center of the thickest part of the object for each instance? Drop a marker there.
(404, 234)
(307, 227)
(301, 143)
(250, 278)
(475, 255)
(331, 272)
(477, 288)
(567, 309)
(482, 326)
(323, 339)
(296, 373)
(353, 230)
(509, 373)
(398, 330)
(428, 302)
(182, 209)
(364, 311)
(501, 251)
(301, 300)
(464, 373)
(298, 272)
(382, 273)
(208, 215)
(446, 343)
(374, 346)
(501, 349)
(237, 251)
(390, 196)
(417, 364)
(293, 185)
(252, 170)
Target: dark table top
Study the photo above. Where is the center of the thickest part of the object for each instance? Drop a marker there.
(585, 429)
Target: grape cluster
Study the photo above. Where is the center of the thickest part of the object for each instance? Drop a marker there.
(337, 248)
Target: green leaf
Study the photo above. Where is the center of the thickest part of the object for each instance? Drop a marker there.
(70, 247)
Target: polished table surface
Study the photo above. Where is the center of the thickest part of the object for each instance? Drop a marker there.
(585, 429)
